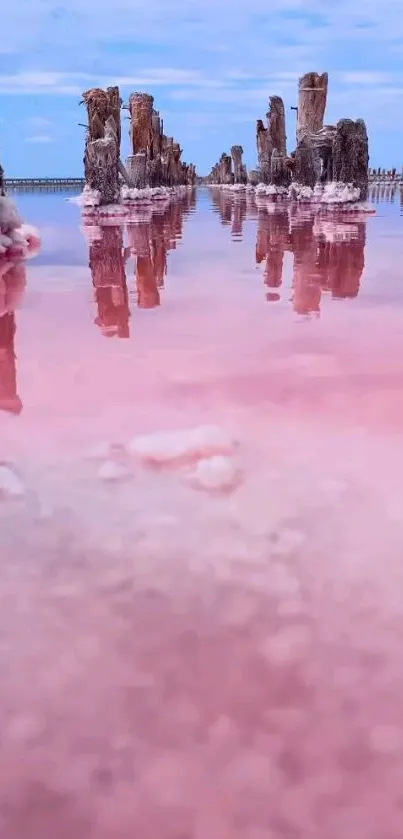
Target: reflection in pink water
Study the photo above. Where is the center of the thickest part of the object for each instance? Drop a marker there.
(180, 663)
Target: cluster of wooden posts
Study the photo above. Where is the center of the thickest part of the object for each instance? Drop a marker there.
(223, 173)
(385, 176)
(155, 159)
(323, 152)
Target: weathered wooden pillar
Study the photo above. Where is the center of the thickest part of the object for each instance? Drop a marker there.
(136, 166)
(280, 170)
(306, 169)
(114, 109)
(141, 113)
(236, 154)
(103, 165)
(276, 125)
(176, 163)
(312, 96)
(2, 185)
(102, 148)
(350, 155)
(264, 151)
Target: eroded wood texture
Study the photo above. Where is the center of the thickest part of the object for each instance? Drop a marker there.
(350, 154)
(312, 97)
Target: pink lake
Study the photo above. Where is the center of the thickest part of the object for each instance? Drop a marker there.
(178, 663)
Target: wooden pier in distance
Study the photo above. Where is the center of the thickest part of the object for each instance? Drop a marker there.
(43, 184)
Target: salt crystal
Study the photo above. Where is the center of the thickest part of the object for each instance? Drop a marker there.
(10, 484)
(112, 470)
(167, 447)
(215, 474)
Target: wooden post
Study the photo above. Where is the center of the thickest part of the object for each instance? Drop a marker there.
(306, 163)
(236, 154)
(350, 155)
(264, 151)
(312, 96)
(276, 124)
(136, 166)
(141, 112)
(102, 148)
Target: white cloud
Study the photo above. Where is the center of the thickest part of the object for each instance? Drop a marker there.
(39, 138)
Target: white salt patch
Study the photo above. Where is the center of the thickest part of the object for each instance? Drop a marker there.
(173, 446)
(337, 192)
(88, 198)
(215, 474)
(112, 470)
(99, 451)
(10, 484)
(299, 192)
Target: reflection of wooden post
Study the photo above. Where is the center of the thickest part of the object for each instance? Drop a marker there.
(9, 399)
(271, 243)
(13, 281)
(312, 95)
(306, 279)
(341, 257)
(107, 264)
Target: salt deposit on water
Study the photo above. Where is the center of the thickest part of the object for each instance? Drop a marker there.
(200, 528)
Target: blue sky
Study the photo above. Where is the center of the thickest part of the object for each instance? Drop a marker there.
(210, 65)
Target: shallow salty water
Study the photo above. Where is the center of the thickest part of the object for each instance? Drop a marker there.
(176, 663)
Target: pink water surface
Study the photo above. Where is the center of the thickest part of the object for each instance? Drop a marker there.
(175, 664)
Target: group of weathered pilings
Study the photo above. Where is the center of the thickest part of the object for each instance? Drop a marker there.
(323, 154)
(222, 172)
(155, 159)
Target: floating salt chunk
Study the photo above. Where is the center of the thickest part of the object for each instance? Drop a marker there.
(112, 470)
(11, 485)
(167, 447)
(103, 450)
(215, 474)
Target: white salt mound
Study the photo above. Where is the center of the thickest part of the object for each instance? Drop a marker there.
(165, 447)
(11, 485)
(215, 474)
(112, 470)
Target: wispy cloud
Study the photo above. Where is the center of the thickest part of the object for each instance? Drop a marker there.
(39, 138)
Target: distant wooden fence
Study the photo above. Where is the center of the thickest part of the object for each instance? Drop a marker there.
(49, 184)
(385, 176)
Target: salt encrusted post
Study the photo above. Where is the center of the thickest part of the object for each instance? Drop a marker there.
(306, 170)
(141, 113)
(102, 148)
(264, 151)
(114, 106)
(2, 185)
(236, 154)
(350, 155)
(136, 166)
(312, 95)
(280, 170)
(276, 125)
(225, 169)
